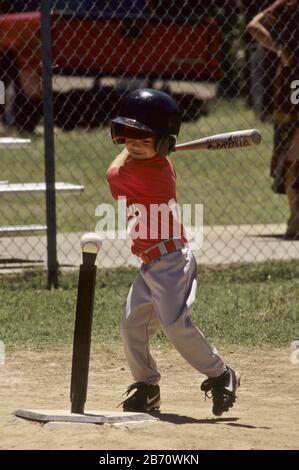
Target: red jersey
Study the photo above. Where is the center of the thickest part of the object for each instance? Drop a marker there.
(150, 189)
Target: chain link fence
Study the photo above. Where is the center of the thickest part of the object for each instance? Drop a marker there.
(197, 51)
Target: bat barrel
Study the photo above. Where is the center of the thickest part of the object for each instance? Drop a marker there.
(228, 140)
(256, 136)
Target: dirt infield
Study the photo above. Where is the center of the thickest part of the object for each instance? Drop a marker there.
(265, 417)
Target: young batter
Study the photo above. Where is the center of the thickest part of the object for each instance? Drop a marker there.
(164, 291)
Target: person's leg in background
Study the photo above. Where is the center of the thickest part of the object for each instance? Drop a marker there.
(291, 181)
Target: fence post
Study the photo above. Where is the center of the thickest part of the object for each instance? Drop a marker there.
(49, 152)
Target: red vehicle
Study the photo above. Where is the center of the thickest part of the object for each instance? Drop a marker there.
(129, 38)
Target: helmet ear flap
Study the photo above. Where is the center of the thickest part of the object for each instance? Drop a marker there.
(166, 145)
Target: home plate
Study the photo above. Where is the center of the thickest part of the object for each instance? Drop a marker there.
(91, 417)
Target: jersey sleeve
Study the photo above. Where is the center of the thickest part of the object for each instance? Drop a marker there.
(119, 182)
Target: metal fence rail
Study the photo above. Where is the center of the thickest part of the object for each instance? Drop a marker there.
(200, 53)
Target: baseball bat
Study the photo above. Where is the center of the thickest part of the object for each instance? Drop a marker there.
(226, 141)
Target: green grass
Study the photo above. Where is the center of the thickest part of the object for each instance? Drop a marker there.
(252, 305)
(233, 186)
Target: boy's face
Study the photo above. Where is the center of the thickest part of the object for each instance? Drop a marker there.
(141, 149)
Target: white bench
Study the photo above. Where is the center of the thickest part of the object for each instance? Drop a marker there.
(14, 142)
(31, 188)
(60, 187)
(22, 230)
(19, 188)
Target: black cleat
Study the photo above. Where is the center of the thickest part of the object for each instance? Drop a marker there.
(223, 389)
(146, 397)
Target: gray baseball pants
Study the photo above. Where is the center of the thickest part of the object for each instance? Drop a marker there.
(162, 296)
